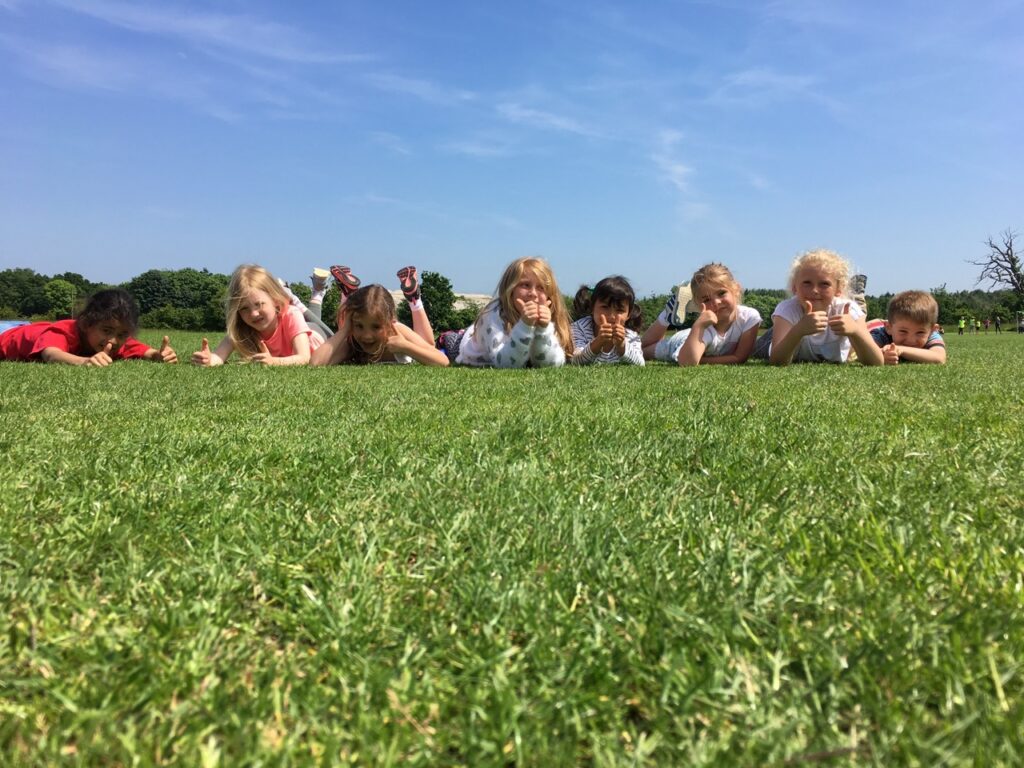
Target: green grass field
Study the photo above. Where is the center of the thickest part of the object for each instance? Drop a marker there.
(814, 565)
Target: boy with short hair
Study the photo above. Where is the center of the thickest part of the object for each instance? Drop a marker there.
(910, 333)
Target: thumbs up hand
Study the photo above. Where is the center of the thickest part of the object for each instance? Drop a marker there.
(706, 318)
(812, 322)
(603, 340)
(202, 357)
(843, 324)
(263, 357)
(102, 358)
(891, 354)
(167, 353)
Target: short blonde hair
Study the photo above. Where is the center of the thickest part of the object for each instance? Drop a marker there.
(915, 306)
(244, 280)
(831, 262)
(716, 274)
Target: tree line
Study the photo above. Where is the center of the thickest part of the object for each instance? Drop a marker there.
(193, 300)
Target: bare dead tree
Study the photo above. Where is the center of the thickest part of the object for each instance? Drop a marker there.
(1001, 266)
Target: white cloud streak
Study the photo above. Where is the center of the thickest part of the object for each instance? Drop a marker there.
(245, 34)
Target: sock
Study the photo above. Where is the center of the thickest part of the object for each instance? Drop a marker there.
(415, 304)
(663, 318)
(318, 296)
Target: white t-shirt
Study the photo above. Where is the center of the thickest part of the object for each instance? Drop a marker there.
(716, 344)
(821, 347)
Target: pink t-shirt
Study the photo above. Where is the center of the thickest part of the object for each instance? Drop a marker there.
(27, 342)
(290, 324)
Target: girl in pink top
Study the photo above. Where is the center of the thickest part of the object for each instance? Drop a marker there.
(263, 326)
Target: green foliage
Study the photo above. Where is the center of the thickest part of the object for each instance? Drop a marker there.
(61, 296)
(25, 291)
(438, 301)
(604, 566)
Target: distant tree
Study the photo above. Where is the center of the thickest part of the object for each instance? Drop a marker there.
(61, 294)
(1001, 266)
(438, 300)
(152, 290)
(23, 290)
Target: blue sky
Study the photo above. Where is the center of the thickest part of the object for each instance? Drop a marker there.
(642, 138)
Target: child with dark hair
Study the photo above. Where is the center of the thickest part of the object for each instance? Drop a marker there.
(101, 334)
(607, 321)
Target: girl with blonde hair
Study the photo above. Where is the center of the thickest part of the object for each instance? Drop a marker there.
(525, 325)
(263, 325)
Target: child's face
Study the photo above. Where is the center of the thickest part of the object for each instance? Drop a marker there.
(610, 312)
(720, 299)
(907, 333)
(258, 311)
(106, 332)
(370, 333)
(815, 285)
(530, 288)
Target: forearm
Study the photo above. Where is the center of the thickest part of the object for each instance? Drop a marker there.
(583, 355)
(935, 355)
(332, 352)
(783, 349)
(693, 348)
(634, 354)
(722, 360)
(868, 353)
(515, 351)
(55, 355)
(545, 350)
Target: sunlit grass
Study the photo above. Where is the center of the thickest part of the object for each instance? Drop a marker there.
(607, 565)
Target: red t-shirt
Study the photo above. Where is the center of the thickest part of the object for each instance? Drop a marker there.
(27, 342)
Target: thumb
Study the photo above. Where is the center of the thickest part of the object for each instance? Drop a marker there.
(520, 304)
(110, 346)
(846, 308)
(808, 307)
(206, 346)
(165, 343)
(703, 307)
(263, 346)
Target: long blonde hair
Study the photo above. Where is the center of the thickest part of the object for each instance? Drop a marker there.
(834, 265)
(506, 307)
(244, 280)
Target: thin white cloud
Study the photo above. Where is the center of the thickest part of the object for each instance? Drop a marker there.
(391, 142)
(247, 34)
(476, 149)
(75, 67)
(671, 168)
(535, 118)
(811, 13)
(425, 90)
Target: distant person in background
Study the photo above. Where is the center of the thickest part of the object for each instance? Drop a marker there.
(100, 335)
(998, 321)
(607, 321)
(960, 327)
(821, 323)
(987, 323)
(977, 326)
(909, 332)
(526, 324)
(724, 332)
(264, 327)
